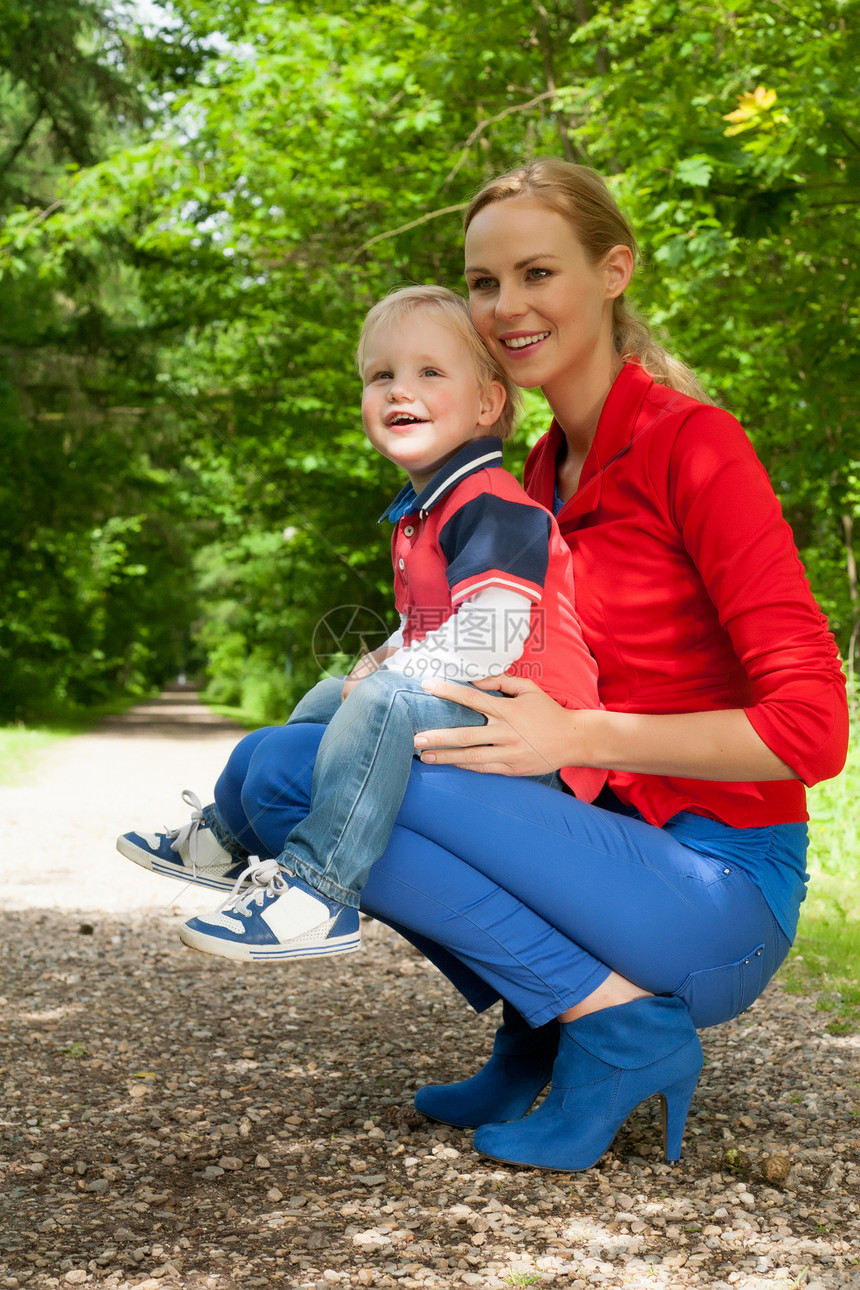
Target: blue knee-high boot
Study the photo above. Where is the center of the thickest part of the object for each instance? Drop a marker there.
(608, 1062)
(504, 1089)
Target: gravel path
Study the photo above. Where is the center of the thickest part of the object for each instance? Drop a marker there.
(171, 1121)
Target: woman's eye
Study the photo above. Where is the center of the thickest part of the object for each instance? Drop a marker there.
(537, 275)
(482, 284)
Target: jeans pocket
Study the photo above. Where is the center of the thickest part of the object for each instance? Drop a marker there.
(717, 994)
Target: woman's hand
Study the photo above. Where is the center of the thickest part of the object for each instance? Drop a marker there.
(531, 734)
(527, 733)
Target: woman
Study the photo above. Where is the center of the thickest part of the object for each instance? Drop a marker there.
(610, 931)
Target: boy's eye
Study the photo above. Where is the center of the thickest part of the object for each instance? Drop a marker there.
(431, 371)
(382, 375)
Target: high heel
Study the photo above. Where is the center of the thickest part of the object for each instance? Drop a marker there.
(675, 1105)
(608, 1062)
(505, 1087)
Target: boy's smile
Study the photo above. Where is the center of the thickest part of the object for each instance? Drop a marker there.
(403, 419)
(423, 398)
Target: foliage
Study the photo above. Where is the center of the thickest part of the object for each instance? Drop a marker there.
(96, 578)
(206, 234)
(827, 949)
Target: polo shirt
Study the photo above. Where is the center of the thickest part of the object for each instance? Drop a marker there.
(473, 527)
(692, 597)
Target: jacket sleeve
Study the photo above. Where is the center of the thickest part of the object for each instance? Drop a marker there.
(493, 541)
(734, 531)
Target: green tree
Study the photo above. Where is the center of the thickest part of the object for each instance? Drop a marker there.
(299, 160)
(97, 589)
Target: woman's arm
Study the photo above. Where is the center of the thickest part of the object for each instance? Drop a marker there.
(529, 734)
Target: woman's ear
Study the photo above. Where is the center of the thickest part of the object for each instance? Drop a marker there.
(492, 401)
(618, 266)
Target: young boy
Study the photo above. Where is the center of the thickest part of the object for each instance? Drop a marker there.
(483, 584)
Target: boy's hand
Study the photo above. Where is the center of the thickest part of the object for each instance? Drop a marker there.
(366, 666)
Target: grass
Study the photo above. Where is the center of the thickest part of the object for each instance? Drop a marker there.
(243, 717)
(22, 744)
(21, 747)
(826, 955)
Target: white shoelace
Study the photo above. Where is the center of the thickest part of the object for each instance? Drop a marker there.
(265, 878)
(188, 832)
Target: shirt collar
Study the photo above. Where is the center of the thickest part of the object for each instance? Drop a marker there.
(477, 454)
(616, 430)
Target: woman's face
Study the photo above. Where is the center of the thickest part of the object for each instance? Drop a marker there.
(541, 307)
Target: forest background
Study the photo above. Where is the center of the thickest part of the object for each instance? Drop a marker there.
(197, 205)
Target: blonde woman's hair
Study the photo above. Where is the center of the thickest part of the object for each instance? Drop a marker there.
(451, 311)
(581, 196)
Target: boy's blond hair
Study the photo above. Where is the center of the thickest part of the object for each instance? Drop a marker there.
(452, 312)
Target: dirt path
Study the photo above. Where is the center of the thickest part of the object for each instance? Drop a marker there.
(60, 824)
(169, 1121)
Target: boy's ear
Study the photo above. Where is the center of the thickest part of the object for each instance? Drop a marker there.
(492, 401)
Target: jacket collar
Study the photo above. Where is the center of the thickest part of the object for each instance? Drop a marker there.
(477, 454)
(616, 430)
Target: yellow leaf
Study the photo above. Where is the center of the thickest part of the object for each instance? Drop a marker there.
(740, 114)
(764, 98)
(752, 105)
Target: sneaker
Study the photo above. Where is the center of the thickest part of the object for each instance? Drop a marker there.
(277, 916)
(191, 853)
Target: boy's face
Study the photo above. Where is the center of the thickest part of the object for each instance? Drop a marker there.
(422, 397)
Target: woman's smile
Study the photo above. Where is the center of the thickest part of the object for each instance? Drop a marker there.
(519, 342)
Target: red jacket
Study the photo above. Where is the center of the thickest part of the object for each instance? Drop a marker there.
(692, 597)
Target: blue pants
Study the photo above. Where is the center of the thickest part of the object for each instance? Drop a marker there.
(517, 891)
(362, 769)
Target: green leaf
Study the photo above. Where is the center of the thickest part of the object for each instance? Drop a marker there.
(695, 171)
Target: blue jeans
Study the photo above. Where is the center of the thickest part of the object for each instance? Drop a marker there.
(360, 775)
(519, 892)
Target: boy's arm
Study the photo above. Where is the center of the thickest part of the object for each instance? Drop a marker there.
(483, 637)
(373, 659)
